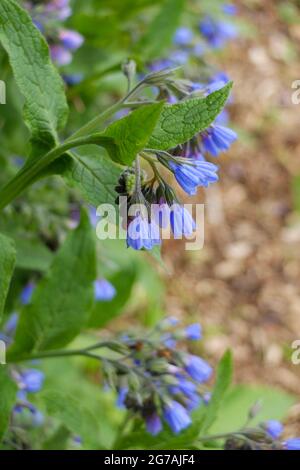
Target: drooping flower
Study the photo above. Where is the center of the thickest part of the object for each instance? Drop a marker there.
(183, 36)
(193, 174)
(182, 222)
(31, 380)
(197, 368)
(60, 54)
(70, 39)
(193, 332)
(142, 234)
(273, 428)
(104, 290)
(292, 444)
(217, 139)
(26, 293)
(176, 416)
(122, 394)
(153, 423)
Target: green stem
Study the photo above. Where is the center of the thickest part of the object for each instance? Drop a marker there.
(65, 352)
(95, 123)
(28, 174)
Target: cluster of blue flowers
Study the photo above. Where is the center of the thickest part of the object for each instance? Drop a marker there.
(190, 167)
(188, 163)
(49, 17)
(158, 382)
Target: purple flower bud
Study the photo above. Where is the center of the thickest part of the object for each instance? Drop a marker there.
(60, 55)
(153, 424)
(26, 293)
(31, 380)
(193, 332)
(183, 36)
(104, 290)
(123, 391)
(273, 428)
(71, 39)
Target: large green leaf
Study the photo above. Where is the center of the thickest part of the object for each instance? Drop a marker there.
(8, 390)
(160, 33)
(62, 301)
(73, 414)
(7, 264)
(93, 173)
(45, 104)
(180, 122)
(131, 133)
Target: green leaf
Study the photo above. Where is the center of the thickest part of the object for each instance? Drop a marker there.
(238, 401)
(8, 397)
(58, 440)
(93, 173)
(62, 301)
(180, 122)
(223, 381)
(7, 265)
(131, 133)
(32, 255)
(72, 414)
(159, 36)
(104, 312)
(45, 105)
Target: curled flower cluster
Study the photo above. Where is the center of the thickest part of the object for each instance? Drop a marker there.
(48, 17)
(266, 436)
(151, 204)
(158, 382)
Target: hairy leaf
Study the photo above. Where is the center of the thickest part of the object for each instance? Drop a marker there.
(72, 414)
(62, 301)
(180, 122)
(131, 133)
(7, 264)
(93, 173)
(45, 104)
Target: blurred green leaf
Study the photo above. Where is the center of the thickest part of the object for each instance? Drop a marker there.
(234, 411)
(62, 300)
(8, 397)
(223, 381)
(180, 122)
(73, 414)
(159, 36)
(45, 105)
(7, 265)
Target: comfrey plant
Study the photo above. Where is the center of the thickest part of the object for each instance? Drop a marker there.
(166, 140)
